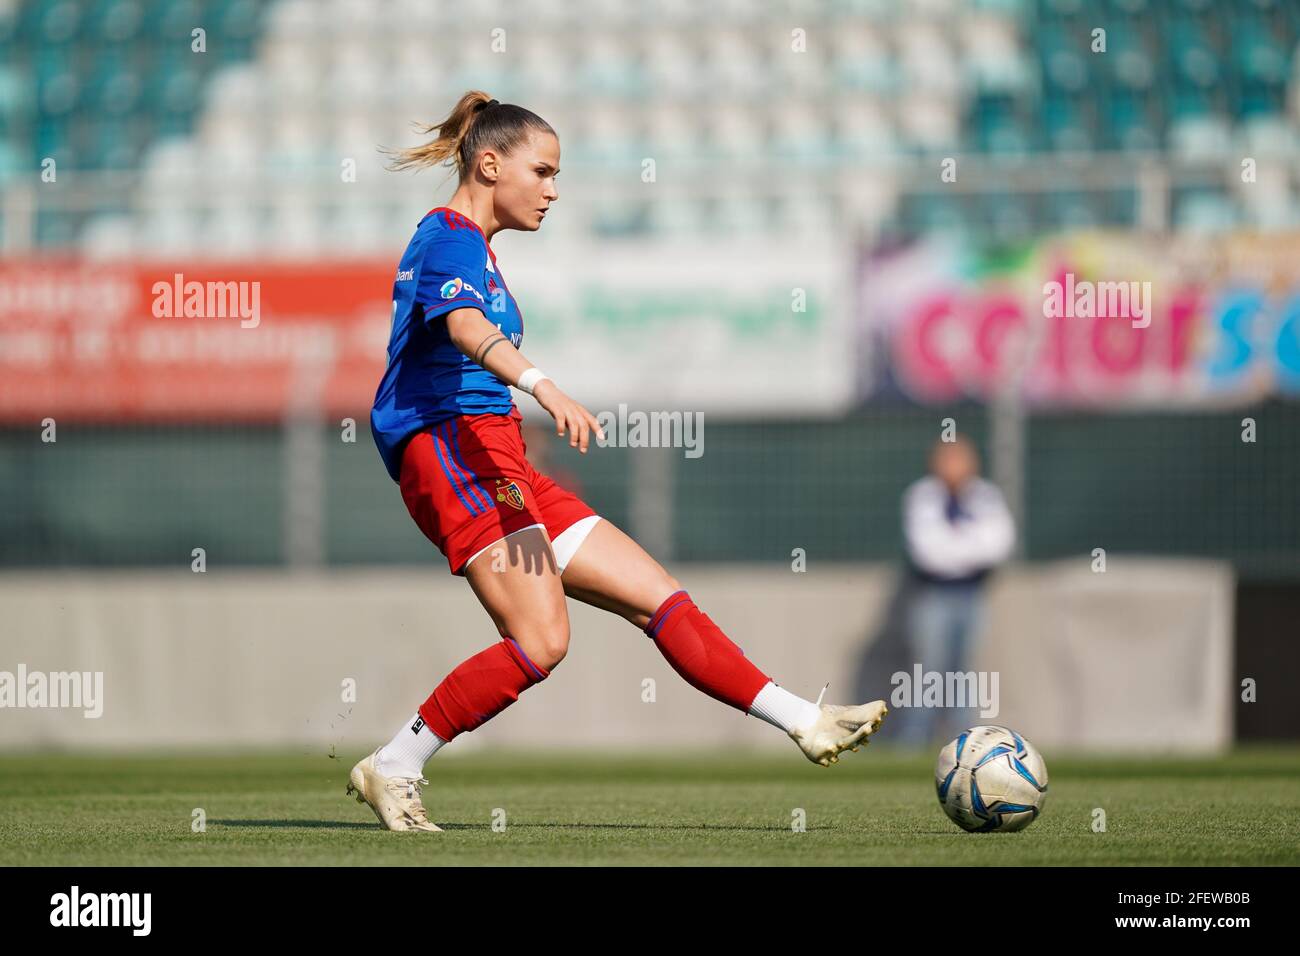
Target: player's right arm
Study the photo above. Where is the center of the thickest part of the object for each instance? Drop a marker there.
(485, 345)
(451, 258)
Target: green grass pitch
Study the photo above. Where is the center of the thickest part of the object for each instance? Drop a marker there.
(874, 808)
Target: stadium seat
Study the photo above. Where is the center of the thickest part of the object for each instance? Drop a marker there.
(290, 88)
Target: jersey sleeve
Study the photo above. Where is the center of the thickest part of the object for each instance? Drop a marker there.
(451, 274)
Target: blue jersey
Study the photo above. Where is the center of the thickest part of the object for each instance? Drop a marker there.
(447, 266)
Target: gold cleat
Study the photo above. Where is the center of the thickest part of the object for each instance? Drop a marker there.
(840, 727)
(395, 800)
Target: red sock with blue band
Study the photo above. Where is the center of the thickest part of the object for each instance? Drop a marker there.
(480, 688)
(705, 657)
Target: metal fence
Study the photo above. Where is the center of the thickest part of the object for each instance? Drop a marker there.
(1159, 484)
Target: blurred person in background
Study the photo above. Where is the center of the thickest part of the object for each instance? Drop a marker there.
(956, 529)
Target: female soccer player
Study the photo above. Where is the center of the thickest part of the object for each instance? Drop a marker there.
(449, 434)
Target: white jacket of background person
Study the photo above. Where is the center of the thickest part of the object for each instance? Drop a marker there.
(962, 549)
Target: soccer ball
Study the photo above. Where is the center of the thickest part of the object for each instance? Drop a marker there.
(991, 778)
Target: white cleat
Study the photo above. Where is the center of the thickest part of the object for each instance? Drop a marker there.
(839, 727)
(395, 800)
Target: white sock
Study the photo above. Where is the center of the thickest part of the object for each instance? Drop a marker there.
(406, 754)
(780, 708)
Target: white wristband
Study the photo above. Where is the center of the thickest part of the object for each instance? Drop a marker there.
(529, 379)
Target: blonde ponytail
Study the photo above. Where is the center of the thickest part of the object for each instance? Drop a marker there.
(477, 122)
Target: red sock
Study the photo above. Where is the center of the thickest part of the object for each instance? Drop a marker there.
(480, 688)
(704, 656)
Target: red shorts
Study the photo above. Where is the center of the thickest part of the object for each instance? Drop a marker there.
(467, 483)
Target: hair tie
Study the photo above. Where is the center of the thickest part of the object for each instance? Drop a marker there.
(491, 103)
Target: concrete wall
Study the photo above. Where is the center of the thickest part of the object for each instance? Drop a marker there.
(1137, 658)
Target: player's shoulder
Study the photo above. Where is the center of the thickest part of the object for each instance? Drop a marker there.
(448, 224)
(445, 237)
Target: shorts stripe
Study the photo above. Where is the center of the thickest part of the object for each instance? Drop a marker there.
(474, 492)
(459, 458)
(437, 447)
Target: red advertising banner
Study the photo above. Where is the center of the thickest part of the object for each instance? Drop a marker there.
(248, 341)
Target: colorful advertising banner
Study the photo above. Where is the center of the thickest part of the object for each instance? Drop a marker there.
(1086, 319)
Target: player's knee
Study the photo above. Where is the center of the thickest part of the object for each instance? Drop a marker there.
(659, 591)
(557, 645)
(545, 641)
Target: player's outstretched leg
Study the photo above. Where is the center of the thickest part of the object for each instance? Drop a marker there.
(613, 572)
(518, 583)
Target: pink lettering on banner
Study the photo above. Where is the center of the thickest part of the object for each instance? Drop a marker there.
(951, 345)
(1117, 346)
(1092, 317)
(1183, 312)
(998, 334)
(920, 349)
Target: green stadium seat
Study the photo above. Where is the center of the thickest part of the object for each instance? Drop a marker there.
(118, 21)
(59, 22)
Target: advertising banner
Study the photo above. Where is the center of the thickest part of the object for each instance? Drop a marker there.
(1086, 319)
(744, 328)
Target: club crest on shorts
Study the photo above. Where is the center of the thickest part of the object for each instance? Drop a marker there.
(509, 492)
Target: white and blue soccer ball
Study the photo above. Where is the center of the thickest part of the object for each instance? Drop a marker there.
(991, 778)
